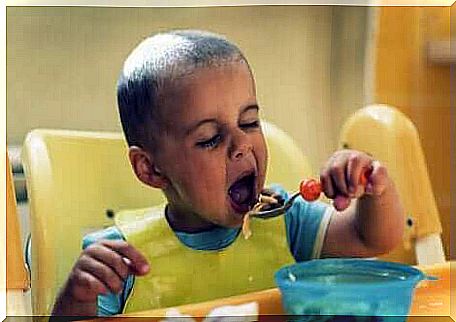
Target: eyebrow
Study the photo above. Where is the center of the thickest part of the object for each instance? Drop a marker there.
(198, 124)
(213, 120)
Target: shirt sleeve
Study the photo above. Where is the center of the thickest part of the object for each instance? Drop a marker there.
(306, 224)
(109, 304)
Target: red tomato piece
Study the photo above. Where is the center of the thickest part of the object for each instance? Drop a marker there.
(365, 176)
(310, 189)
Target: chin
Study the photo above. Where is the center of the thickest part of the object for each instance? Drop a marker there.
(236, 224)
(231, 222)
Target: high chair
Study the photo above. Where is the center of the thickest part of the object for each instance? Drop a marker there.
(390, 137)
(17, 278)
(76, 180)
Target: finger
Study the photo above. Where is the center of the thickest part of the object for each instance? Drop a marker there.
(85, 286)
(341, 203)
(378, 179)
(109, 258)
(102, 272)
(338, 177)
(140, 266)
(326, 184)
(357, 166)
(353, 173)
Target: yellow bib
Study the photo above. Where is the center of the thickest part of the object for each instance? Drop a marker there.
(181, 275)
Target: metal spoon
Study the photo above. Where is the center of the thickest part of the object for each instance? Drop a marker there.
(266, 214)
(309, 190)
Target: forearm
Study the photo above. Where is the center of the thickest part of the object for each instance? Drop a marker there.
(380, 220)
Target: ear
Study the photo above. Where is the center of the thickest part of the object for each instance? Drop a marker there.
(145, 168)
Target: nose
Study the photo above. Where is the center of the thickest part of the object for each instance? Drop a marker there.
(240, 146)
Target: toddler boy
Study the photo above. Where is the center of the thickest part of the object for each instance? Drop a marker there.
(189, 111)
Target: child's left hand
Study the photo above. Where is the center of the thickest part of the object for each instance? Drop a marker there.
(341, 177)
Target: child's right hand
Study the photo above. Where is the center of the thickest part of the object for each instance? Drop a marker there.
(103, 267)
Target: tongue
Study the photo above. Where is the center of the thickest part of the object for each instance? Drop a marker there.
(240, 193)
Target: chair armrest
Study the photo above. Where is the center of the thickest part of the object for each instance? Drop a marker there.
(429, 250)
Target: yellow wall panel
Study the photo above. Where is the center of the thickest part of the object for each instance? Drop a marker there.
(63, 63)
(407, 79)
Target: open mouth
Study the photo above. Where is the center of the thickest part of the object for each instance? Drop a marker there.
(242, 193)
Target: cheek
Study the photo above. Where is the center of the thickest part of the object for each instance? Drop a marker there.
(207, 181)
(201, 177)
(261, 152)
(206, 193)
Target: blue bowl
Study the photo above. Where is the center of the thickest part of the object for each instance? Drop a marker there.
(344, 288)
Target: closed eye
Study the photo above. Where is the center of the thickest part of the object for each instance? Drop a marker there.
(251, 125)
(211, 143)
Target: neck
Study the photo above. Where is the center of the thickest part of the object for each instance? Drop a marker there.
(187, 222)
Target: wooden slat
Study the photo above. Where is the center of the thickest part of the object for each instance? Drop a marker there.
(16, 274)
(405, 78)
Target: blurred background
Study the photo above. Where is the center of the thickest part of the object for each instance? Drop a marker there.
(309, 64)
(314, 67)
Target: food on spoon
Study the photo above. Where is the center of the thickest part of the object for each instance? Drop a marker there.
(266, 200)
(246, 226)
(309, 189)
(263, 202)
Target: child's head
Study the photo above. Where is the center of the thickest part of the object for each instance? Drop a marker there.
(188, 108)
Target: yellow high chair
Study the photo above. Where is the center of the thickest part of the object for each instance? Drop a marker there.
(390, 137)
(74, 178)
(17, 280)
(74, 182)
